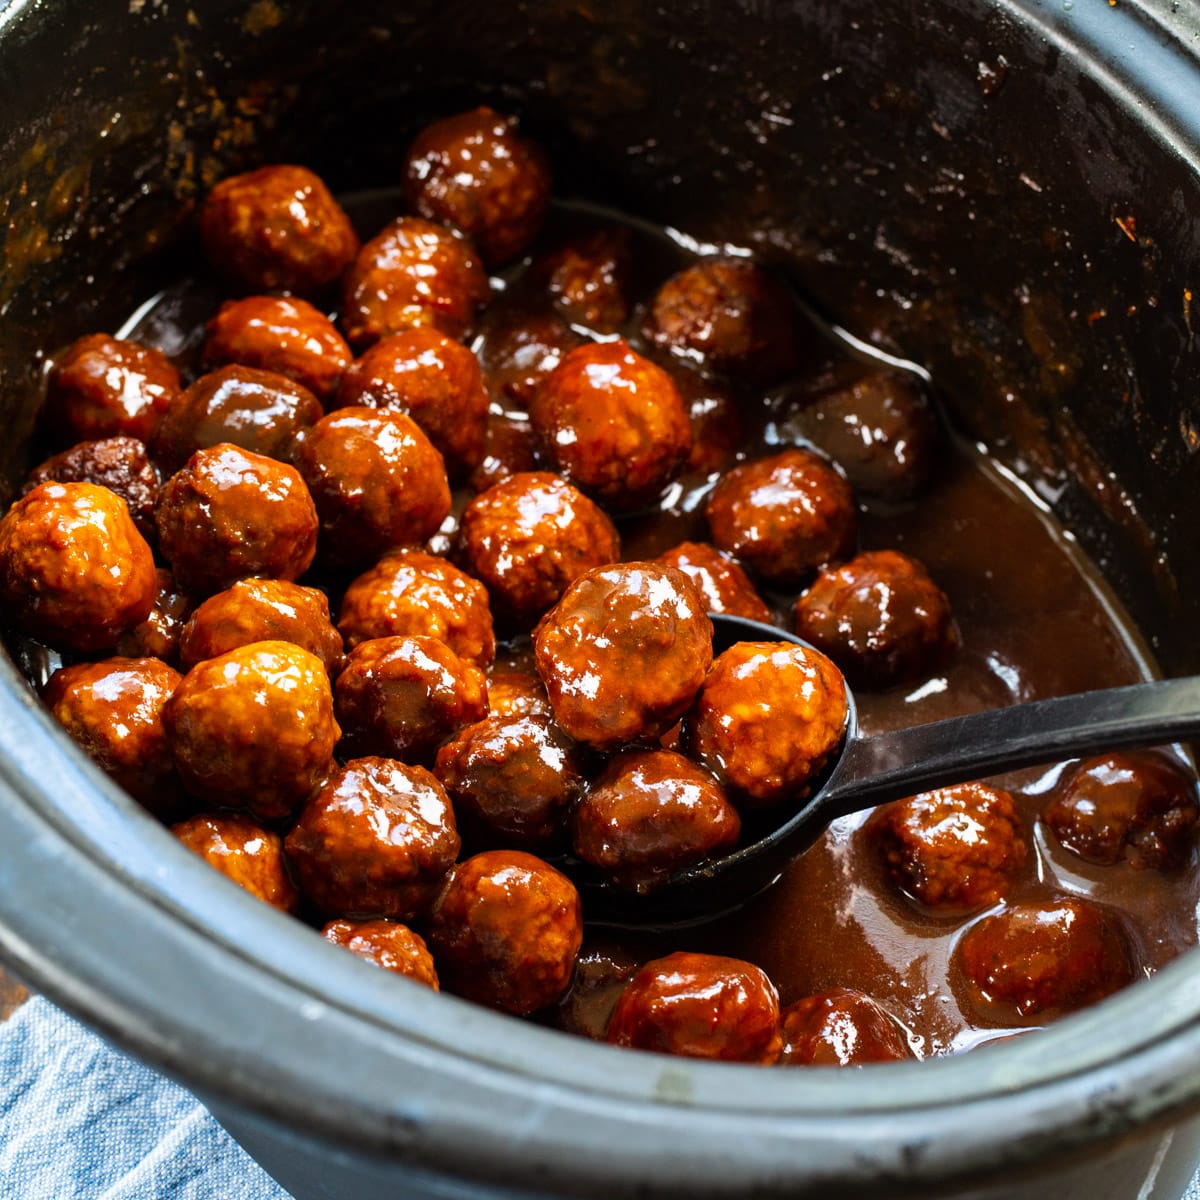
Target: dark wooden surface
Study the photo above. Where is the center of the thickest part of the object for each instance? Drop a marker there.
(12, 995)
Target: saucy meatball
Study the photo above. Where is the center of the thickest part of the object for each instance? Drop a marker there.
(522, 348)
(402, 697)
(515, 693)
(527, 538)
(230, 514)
(509, 448)
(624, 652)
(614, 423)
(602, 970)
(280, 334)
(650, 814)
(247, 854)
(476, 172)
(767, 720)
(1043, 960)
(841, 1028)
(74, 571)
(277, 229)
(1140, 808)
(376, 841)
(376, 480)
(102, 387)
(254, 728)
(879, 617)
(433, 379)
(699, 1006)
(718, 428)
(386, 944)
(513, 780)
(413, 273)
(588, 278)
(158, 635)
(954, 849)
(506, 930)
(725, 587)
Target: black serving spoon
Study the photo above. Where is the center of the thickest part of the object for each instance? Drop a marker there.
(873, 770)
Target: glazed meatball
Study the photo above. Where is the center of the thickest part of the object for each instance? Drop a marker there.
(476, 172)
(102, 387)
(254, 728)
(120, 464)
(114, 711)
(247, 854)
(588, 278)
(514, 693)
(650, 814)
(509, 448)
(280, 334)
(527, 538)
(506, 930)
(522, 348)
(725, 587)
(74, 571)
(602, 970)
(277, 229)
(879, 617)
(414, 593)
(260, 411)
(699, 1006)
(386, 944)
(158, 635)
(231, 514)
(376, 480)
(614, 423)
(262, 610)
(513, 780)
(841, 1028)
(624, 652)
(413, 274)
(435, 381)
(376, 841)
(784, 516)
(402, 697)
(1042, 960)
(733, 316)
(767, 720)
(1140, 808)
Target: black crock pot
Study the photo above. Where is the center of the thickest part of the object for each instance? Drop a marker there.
(1007, 191)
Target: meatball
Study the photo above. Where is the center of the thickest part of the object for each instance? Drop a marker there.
(280, 334)
(247, 854)
(376, 841)
(733, 316)
(435, 381)
(650, 814)
(514, 693)
(588, 278)
(102, 387)
(260, 411)
(879, 617)
(784, 516)
(722, 583)
(262, 610)
(1140, 808)
(386, 944)
(277, 229)
(158, 635)
(114, 711)
(614, 423)
(402, 697)
(506, 930)
(699, 1006)
(527, 538)
(602, 970)
(954, 849)
(841, 1028)
(716, 415)
(413, 273)
(74, 571)
(624, 652)
(376, 480)
(476, 172)
(513, 780)
(230, 514)
(120, 464)
(1043, 960)
(767, 720)
(410, 592)
(254, 728)
(522, 348)
(509, 448)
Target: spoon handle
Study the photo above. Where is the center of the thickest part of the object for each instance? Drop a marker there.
(889, 766)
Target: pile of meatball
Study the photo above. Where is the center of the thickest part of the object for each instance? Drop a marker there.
(383, 774)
